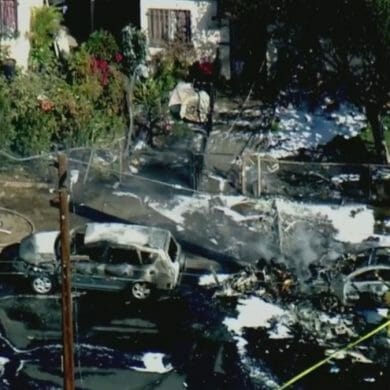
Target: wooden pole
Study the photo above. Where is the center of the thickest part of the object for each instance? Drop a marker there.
(67, 314)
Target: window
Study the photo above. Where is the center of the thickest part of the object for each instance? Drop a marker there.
(96, 253)
(172, 251)
(166, 25)
(366, 276)
(382, 256)
(8, 17)
(384, 274)
(148, 258)
(128, 256)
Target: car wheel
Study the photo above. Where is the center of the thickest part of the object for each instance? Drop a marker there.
(141, 290)
(42, 284)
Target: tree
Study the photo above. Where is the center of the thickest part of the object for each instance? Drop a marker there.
(344, 42)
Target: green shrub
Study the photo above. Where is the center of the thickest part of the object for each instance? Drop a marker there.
(150, 95)
(45, 25)
(95, 108)
(39, 110)
(32, 115)
(366, 134)
(7, 129)
(174, 62)
(102, 44)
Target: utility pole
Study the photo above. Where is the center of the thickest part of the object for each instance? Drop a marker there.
(67, 314)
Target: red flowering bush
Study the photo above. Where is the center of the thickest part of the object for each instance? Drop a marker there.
(203, 70)
(118, 57)
(206, 68)
(101, 68)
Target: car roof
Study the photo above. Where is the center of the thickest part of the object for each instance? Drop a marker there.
(126, 235)
(368, 268)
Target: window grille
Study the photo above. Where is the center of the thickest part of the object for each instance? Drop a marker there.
(165, 25)
(8, 17)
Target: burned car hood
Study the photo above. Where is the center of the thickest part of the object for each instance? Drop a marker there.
(38, 247)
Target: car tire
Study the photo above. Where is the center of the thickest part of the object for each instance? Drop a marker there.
(42, 284)
(141, 291)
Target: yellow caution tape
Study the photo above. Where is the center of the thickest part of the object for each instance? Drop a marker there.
(322, 362)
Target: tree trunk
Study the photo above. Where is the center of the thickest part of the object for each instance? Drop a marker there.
(378, 133)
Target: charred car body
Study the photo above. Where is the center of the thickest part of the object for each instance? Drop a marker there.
(106, 257)
(330, 289)
(373, 256)
(368, 285)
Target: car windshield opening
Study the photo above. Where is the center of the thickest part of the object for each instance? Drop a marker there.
(172, 250)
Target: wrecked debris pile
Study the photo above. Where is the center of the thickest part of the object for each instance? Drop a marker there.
(269, 332)
(271, 281)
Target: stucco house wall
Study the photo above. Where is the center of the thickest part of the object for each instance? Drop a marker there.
(20, 46)
(207, 32)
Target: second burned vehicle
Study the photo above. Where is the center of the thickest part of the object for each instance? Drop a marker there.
(106, 257)
(330, 288)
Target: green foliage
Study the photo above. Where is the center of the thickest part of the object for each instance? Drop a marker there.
(180, 129)
(367, 136)
(73, 108)
(85, 81)
(102, 44)
(152, 95)
(151, 98)
(6, 127)
(45, 25)
(34, 126)
(173, 63)
(381, 12)
(91, 111)
(134, 48)
(4, 52)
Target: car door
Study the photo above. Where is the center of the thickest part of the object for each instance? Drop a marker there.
(123, 266)
(88, 264)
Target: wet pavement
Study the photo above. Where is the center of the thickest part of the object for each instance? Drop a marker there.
(112, 336)
(176, 342)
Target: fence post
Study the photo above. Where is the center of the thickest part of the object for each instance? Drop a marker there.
(258, 175)
(120, 154)
(193, 171)
(211, 108)
(91, 156)
(243, 175)
(369, 182)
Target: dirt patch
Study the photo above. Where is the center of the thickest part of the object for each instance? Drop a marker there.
(33, 203)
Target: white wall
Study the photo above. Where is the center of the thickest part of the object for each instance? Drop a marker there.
(20, 47)
(206, 32)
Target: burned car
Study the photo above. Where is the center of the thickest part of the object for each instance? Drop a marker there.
(106, 257)
(32, 259)
(366, 285)
(329, 289)
(372, 256)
